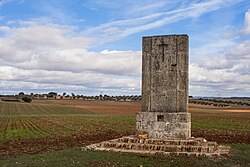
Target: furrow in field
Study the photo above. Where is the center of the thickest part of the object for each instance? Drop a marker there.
(13, 109)
(28, 109)
(19, 124)
(35, 110)
(8, 129)
(22, 109)
(4, 132)
(7, 110)
(18, 109)
(37, 129)
(59, 125)
(52, 110)
(42, 110)
(28, 128)
(69, 110)
(60, 110)
(2, 109)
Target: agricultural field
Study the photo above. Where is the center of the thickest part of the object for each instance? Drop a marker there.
(29, 130)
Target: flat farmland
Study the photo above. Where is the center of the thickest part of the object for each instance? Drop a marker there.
(50, 125)
(100, 107)
(13, 109)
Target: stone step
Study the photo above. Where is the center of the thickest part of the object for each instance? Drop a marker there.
(153, 147)
(213, 154)
(191, 142)
(190, 147)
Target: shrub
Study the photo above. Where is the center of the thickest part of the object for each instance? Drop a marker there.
(26, 99)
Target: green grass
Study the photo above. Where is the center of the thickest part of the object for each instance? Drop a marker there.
(75, 157)
(22, 120)
(223, 121)
(35, 127)
(11, 109)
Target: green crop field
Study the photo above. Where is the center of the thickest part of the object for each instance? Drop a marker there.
(27, 129)
(12, 109)
(20, 120)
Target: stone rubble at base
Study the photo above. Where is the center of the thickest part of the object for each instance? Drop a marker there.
(151, 146)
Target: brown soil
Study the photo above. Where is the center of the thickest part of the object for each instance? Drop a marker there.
(38, 145)
(228, 108)
(128, 108)
(97, 106)
(223, 137)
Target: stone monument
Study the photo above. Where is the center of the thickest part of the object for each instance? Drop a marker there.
(164, 124)
(165, 88)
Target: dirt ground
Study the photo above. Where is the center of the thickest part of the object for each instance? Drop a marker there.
(38, 145)
(127, 108)
(101, 107)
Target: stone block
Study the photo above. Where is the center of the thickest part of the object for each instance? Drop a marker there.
(164, 125)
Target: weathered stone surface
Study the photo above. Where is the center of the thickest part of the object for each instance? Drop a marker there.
(165, 88)
(164, 120)
(165, 73)
(133, 144)
(164, 125)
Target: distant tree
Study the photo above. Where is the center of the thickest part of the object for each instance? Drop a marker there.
(27, 99)
(20, 95)
(52, 94)
(73, 95)
(100, 97)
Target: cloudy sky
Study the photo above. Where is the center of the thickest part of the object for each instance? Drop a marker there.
(88, 47)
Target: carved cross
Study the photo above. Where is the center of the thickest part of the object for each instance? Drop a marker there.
(162, 45)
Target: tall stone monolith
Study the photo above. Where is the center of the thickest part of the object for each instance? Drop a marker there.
(164, 111)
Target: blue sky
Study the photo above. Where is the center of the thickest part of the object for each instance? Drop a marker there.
(86, 47)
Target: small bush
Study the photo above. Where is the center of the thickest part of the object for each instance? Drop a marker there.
(27, 99)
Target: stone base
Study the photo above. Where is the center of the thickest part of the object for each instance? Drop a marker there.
(164, 125)
(189, 147)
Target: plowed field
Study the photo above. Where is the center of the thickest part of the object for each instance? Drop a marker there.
(46, 125)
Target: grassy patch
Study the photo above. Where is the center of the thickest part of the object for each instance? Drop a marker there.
(76, 157)
(11, 109)
(21, 120)
(34, 127)
(221, 121)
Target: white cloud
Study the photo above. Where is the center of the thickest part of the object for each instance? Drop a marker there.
(84, 79)
(226, 74)
(122, 28)
(51, 55)
(246, 29)
(53, 48)
(36, 55)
